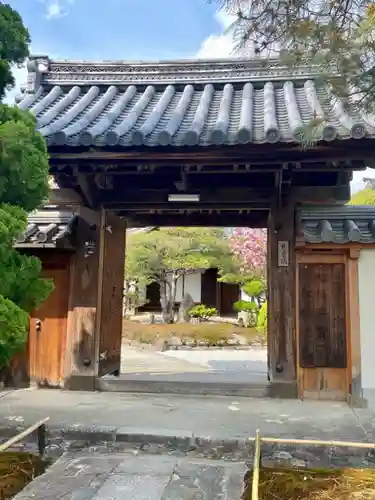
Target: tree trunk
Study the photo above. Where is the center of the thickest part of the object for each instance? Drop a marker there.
(168, 291)
(164, 301)
(172, 297)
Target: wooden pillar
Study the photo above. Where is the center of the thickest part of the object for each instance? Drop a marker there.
(110, 293)
(95, 305)
(282, 297)
(79, 365)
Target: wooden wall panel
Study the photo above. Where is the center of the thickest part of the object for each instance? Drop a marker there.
(44, 353)
(110, 300)
(46, 344)
(323, 327)
(322, 316)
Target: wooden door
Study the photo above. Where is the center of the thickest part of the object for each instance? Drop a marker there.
(229, 294)
(209, 286)
(322, 330)
(47, 341)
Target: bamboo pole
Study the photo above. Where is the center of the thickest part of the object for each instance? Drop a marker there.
(256, 466)
(317, 442)
(23, 434)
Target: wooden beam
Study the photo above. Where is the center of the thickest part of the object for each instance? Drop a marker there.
(216, 197)
(280, 153)
(321, 194)
(88, 189)
(253, 219)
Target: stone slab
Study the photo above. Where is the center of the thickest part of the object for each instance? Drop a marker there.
(134, 487)
(113, 476)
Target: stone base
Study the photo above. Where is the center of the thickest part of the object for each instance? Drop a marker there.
(80, 383)
(283, 390)
(367, 400)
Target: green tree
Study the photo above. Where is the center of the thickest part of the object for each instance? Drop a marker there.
(164, 255)
(336, 36)
(23, 188)
(364, 197)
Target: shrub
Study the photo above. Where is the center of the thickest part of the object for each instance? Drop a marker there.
(262, 317)
(254, 288)
(245, 306)
(202, 312)
(14, 326)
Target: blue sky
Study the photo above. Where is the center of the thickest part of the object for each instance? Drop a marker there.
(126, 29)
(119, 29)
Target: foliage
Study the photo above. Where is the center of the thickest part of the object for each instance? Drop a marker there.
(13, 329)
(249, 306)
(254, 288)
(262, 317)
(202, 312)
(249, 247)
(17, 470)
(335, 36)
(166, 254)
(23, 188)
(14, 42)
(312, 484)
(364, 197)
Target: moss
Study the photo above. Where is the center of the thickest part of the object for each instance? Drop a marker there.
(314, 484)
(211, 332)
(17, 470)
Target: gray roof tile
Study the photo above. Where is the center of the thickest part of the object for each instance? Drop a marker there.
(341, 224)
(47, 228)
(180, 103)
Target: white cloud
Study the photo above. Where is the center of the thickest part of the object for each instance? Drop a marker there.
(56, 9)
(20, 75)
(216, 46)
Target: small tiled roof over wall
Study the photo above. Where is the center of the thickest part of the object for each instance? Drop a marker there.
(47, 228)
(336, 224)
(181, 103)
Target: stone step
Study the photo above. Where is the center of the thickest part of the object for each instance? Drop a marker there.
(132, 385)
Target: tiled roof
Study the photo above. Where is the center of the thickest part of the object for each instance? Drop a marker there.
(47, 228)
(180, 103)
(341, 224)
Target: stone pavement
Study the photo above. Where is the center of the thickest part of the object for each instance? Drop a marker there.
(216, 417)
(182, 447)
(85, 476)
(136, 360)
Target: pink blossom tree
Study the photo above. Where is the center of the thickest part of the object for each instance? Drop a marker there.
(249, 245)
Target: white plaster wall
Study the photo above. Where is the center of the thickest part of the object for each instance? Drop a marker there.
(366, 280)
(179, 287)
(193, 286)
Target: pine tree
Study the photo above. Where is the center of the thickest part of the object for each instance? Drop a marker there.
(23, 188)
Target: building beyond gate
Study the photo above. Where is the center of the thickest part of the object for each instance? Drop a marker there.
(208, 143)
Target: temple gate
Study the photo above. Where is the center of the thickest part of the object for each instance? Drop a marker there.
(200, 143)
